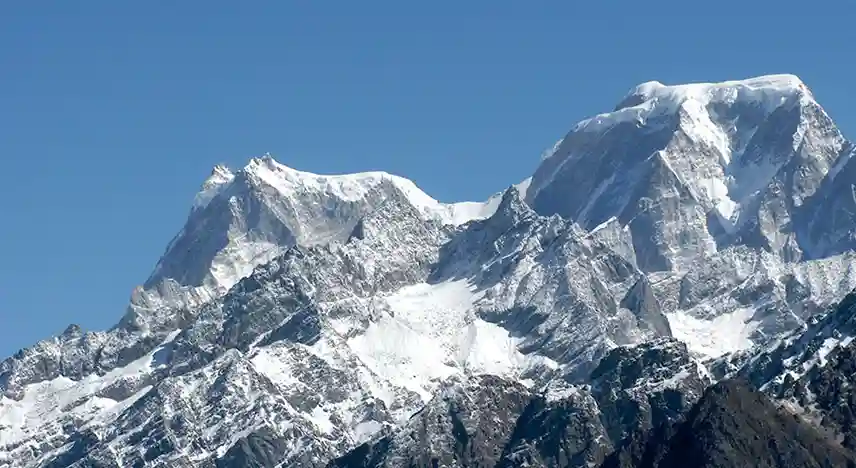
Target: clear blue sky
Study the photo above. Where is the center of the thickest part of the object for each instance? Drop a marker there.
(114, 112)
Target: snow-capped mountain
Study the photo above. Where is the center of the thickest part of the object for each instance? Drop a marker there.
(745, 179)
(703, 165)
(298, 316)
(244, 219)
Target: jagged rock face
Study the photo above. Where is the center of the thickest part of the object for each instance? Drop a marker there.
(740, 297)
(642, 387)
(689, 169)
(227, 398)
(306, 326)
(530, 267)
(825, 395)
(463, 426)
(242, 220)
(828, 225)
(811, 371)
(275, 326)
(642, 301)
(297, 317)
(560, 432)
(265, 206)
(491, 422)
(733, 426)
(633, 389)
(692, 182)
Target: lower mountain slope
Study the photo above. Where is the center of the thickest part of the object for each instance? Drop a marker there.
(812, 371)
(734, 426)
(489, 421)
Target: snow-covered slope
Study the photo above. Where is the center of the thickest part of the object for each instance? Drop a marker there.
(296, 316)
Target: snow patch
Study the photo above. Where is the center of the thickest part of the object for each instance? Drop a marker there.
(238, 260)
(430, 333)
(273, 365)
(769, 92)
(45, 404)
(321, 419)
(723, 334)
(366, 430)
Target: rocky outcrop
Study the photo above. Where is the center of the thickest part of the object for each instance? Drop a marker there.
(733, 426)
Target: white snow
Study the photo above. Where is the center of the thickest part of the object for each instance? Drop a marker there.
(799, 363)
(485, 347)
(464, 212)
(321, 419)
(46, 403)
(672, 381)
(354, 187)
(366, 430)
(274, 366)
(424, 333)
(723, 334)
(727, 184)
(714, 172)
(308, 204)
(279, 361)
(601, 226)
(430, 332)
(559, 389)
(238, 259)
(219, 179)
(457, 214)
(771, 91)
(840, 164)
(548, 153)
(288, 181)
(523, 187)
(819, 358)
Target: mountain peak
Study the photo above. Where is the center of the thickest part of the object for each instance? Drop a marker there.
(765, 83)
(267, 161)
(728, 151)
(512, 207)
(219, 178)
(242, 219)
(298, 314)
(72, 331)
(654, 99)
(219, 172)
(768, 86)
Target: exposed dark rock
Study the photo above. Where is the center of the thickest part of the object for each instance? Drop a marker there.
(733, 426)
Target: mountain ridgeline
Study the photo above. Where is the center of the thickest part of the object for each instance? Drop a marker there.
(670, 288)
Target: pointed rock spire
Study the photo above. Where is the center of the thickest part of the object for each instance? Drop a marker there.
(641, 301)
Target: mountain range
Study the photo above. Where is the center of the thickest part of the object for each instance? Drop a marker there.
(670, 287)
